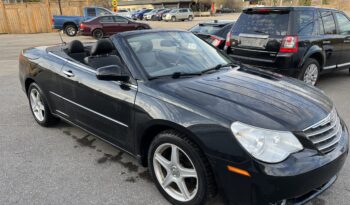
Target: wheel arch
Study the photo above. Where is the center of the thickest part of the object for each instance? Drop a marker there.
(69, 23)
(316, 53)
(27, 83)
(153, 129)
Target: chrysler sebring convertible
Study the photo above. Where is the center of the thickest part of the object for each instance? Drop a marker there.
(201, 123)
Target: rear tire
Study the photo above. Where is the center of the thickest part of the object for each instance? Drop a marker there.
(310, 71)
(97, 34)
(173, 19)
(39, 107)
(199, 181)
(190, 18)
(71, 30)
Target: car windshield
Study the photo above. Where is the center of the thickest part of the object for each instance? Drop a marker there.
(168, 52)
(206, 28)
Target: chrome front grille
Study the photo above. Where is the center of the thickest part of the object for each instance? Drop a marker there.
(325, 134)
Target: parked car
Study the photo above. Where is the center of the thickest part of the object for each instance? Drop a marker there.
(179, 14)
(159, 15)
(104, 26)
(199, 122)
(70, 24)
(225, 10)
(140, 14)
(150, 15)
(214, 32)
(124, 12)
(302, 42)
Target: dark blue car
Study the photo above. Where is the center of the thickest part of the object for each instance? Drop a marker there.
(139, 15)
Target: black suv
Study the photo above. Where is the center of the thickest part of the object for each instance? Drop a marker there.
(301, 42)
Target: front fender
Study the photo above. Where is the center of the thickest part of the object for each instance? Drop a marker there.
(210, 133)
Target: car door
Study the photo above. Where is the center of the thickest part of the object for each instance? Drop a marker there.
(183, 13)
(104, 108)
(109, 26)
(123, 24)
(332, 42)
(344, 30)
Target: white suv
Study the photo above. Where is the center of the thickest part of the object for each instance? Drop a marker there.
(179, 14)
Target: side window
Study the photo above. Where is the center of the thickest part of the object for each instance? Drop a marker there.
(102, 12)
(91, 11)
(306, 23)
(107, 19)
(182, 10)
(344, 24)
(328, 22)
(119, 19)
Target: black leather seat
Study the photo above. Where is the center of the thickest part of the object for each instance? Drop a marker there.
(102, 55)
(76, 50)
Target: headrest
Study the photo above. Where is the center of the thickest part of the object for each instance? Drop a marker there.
(102, 47)
(146, 46)
(76, 47)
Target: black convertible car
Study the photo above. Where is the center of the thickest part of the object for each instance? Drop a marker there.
(202, 124)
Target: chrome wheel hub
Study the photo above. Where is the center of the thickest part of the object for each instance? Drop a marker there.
(37, 105)
(175, 172)
(311, 74)
(70, 30)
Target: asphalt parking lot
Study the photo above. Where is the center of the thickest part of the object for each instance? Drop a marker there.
(64, 165)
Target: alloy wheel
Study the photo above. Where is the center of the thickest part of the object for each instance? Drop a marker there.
(71, 31)
(37, 105)
(311, 74)
(175, 172)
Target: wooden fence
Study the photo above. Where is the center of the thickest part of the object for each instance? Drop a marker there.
(35, 17)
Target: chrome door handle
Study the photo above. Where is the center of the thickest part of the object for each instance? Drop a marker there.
(68, 73)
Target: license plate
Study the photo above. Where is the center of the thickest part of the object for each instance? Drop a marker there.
(257, 41)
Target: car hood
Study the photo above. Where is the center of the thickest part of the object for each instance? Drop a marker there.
(253, 96)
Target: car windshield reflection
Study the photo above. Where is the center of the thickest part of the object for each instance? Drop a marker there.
(166, 53)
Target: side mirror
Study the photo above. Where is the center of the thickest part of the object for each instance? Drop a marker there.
(112, 73)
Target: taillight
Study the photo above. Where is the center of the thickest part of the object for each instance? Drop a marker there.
(216, 41)
(53, 21)
(82, 26)
(289, 44)
(228, 39)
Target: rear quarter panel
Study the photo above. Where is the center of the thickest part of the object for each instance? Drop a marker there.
(36, 65)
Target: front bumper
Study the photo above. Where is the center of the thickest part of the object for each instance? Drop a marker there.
(298, 179)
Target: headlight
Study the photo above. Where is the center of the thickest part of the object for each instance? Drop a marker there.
(266, 145)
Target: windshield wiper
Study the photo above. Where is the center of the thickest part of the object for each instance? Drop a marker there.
(175, 75)
(262, 32)
(218, 67)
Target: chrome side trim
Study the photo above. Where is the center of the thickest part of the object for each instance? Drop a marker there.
(97, 113)
(62, 113)
(329, 67)
(344, 64)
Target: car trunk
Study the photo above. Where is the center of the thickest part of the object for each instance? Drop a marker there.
(258, 34)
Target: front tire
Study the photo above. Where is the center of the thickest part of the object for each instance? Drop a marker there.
(180, 170)
(173, 19)
(71, 30)
(97, 34)
(310, 71)
(190, 18)
(39, 107)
